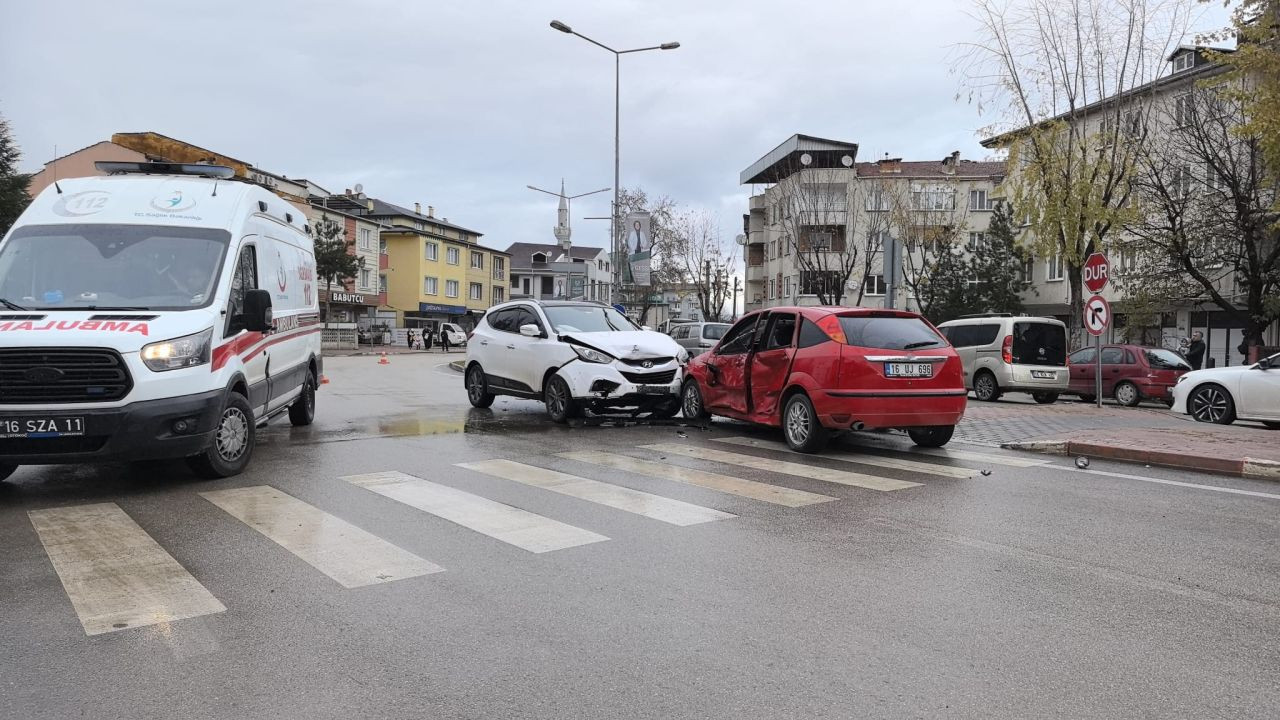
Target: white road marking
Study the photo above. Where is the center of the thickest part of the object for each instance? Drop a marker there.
(337, 548)
(115, 574)
(509, 524)
(701, 478)
(853, 457)
(621, 498)
(870, 482)
(948, 452)
(1162, 481)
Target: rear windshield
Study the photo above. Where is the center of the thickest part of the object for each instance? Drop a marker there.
(1039, 344)
(1161, 359)
(889, 333)
(714, 332)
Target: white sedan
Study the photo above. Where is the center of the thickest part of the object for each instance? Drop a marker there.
(1223, 395)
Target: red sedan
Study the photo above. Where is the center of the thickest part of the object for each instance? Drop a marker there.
(814, 370)
(1130, 373)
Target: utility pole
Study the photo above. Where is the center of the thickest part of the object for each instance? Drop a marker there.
(733, 309)
(706, 290)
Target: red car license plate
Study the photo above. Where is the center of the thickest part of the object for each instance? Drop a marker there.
(909, 370)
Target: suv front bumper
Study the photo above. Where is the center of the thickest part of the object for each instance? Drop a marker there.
(608, 386)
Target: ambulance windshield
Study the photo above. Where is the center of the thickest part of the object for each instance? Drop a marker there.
(77, 267)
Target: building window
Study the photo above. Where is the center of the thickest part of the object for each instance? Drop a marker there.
(1055, 269)
(980, 200)
(1133, 124)
(365, 276)
(499, 294)
(976, 239)
(382, 283)
(366, 239)
(476, 291)
(451, 288)
(771, 289)
(433, 251)
(382, 245)
(1180, 186)
(1182, 110)
(877, 199)
(787, 286)
(813, 282)
(539, 257)
(499, 268)
(1127, 260)
(1213, 182)
(1028, 270)
(1184, 61)
(875, 285)
(429, 285)
(933, 200)
(477, 260)
(452, 256)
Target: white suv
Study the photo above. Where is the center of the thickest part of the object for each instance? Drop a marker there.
(573, 356)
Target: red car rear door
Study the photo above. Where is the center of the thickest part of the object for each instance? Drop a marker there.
(726, 386)
(771, 364)
(1083, 370)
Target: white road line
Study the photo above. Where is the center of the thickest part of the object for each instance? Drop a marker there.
(337, 548)
(701, 478)
(870, 482)
(853, 457)
(115, 574)
(649, 505)
(1162, 481)
(949, 452)
(509, 524)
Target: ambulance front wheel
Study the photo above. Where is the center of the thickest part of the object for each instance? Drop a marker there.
(232, 444)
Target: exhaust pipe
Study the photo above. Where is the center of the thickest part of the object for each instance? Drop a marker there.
(856, 426)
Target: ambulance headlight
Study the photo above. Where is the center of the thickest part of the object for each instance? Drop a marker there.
(183, 352)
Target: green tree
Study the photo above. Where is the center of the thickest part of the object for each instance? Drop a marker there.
(334, 261)
(997, 264)
(13, 185)
(944, 287)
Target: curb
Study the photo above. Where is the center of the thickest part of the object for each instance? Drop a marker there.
(1246, 467)
(457, 365)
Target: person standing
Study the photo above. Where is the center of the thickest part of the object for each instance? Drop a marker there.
(444, 338)
(1195, 351)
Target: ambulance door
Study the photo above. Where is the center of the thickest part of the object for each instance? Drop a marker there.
(238, 341)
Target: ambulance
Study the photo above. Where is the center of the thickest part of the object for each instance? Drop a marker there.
(160, 311)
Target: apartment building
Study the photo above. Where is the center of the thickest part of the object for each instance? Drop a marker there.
(356, 301)
(1149, 113)
(823, 226)
(549, 272)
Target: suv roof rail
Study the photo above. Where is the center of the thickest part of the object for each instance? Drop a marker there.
(984, 315)
(164, 168)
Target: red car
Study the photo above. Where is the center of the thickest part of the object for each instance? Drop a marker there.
(814, 370)
(1130, 373)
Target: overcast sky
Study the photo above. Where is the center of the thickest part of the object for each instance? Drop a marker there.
(460, 105)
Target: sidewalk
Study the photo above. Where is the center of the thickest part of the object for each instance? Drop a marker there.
(1150, 435)
(394, 350)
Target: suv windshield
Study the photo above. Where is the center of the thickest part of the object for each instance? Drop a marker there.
(69, 267)
(1162, 359)
(889, 333)
(587, 318)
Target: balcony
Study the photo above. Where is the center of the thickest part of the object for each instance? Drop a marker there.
(758, 202)
(755, 273)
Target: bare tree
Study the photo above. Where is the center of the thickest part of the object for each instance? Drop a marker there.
(706, 259)
(814, 214)
(1044, 65)
(1207, 228)
(929, 221)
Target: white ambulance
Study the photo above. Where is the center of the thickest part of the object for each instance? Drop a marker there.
(161, 311)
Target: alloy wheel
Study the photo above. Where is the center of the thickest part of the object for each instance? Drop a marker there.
(555, 398)
(233, 435)
(475, 385)
(798, 423)
(692, 401)
(1209, 405)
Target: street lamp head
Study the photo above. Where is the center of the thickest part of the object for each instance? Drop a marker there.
(669, 46)
(561, 26)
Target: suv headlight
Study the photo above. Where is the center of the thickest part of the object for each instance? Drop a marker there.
(592, 356)
(683, 356)
(183, 352)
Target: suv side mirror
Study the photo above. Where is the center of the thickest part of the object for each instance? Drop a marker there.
(530, 330)
(257, 311)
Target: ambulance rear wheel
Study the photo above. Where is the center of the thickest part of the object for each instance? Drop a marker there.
(303, 410)
(232, 444)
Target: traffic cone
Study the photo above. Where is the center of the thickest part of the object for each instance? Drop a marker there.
(383, 360)
(324, 379)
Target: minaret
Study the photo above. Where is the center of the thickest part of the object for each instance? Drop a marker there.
(562, 230)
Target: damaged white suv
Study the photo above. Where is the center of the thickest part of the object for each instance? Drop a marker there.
(573, 355)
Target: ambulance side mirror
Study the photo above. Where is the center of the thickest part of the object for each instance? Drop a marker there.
(257, 311)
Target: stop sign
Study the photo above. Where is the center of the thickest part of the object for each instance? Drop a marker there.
(1095, 271)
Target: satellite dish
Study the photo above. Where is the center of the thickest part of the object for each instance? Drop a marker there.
(742, 239)
(358, 188)
(806, 159)
(847, 161)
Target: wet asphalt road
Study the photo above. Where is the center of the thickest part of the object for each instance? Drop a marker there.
(1026, 592)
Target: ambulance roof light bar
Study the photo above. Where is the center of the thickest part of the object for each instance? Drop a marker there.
(163, 168)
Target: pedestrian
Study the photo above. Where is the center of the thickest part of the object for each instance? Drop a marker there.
(1195, 351)
(409, 338)
(426, 338)
(444, 338)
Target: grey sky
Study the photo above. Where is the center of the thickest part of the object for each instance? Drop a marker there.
(459, 105)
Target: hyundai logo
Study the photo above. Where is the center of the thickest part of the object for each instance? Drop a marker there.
(646, 364)
(43, 375)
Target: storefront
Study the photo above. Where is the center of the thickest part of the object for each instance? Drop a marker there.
(343, 307)
(430, 315)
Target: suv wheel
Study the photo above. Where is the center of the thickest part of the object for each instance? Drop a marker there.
(232, 444)
(1127, 394)
(560, 403)
(477, 387)
(800, 425)
(985, 387)
(931, 436)
(691, 401)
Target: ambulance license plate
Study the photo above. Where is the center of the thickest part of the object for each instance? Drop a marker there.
(41, 427)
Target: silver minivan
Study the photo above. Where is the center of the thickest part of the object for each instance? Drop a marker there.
(698, 337)
(1003, 353)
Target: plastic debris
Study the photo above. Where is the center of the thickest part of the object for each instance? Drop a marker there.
(1082, 463)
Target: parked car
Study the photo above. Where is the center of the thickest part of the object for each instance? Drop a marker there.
(699, 337)
(1002, 353)
(1226, 394)
(457, 337)
(1130, 373)
(815, 370)
(667, 327)
(573, 356)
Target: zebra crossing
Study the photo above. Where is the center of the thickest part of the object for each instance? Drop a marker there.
(117, 576)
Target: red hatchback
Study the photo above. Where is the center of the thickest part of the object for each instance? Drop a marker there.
(813, 370)
(1130, 373)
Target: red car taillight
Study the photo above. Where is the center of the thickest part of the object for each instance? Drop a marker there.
(1006, 350)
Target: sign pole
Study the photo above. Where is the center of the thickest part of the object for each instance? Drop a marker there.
(1097, 343)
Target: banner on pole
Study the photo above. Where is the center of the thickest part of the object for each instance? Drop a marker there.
(639, 249)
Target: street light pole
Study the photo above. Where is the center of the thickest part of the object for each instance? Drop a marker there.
(615, 235)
